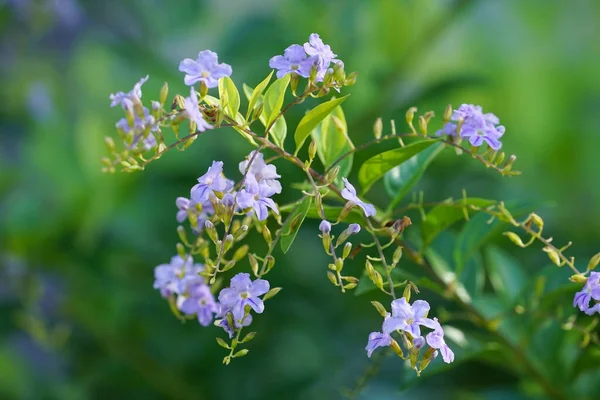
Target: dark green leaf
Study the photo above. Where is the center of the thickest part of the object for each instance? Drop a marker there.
(332, 140)
(401, 179)
(289, 230)
(506, 274)
(313, 118)
(375, 167)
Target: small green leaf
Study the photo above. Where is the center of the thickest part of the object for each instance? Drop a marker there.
(401, 179)
(332, 139)
(443, 216)
(506, 274)
(279, 131)
(242, 122)
(273, 99)
(313, 118)
(375, 167)
(254, 95)
(289, 230)
(229, 97)
(222, 343)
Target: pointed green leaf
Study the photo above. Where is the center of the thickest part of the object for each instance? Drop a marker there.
(331, 136)
(289, 230)
(506, 274)
(401, 179)
(278, 131)
(443, 216)
(229, 97)
(375, 167)
(253, 95)
(313, 118)
(273, 99)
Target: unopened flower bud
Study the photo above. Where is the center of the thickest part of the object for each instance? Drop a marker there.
(380, 308)
(332, 174)
(241, 231)
(325, 226)
(110, 143)
(514, 238)
(228, 242)
(378, 128)
(578, 278)
(257, 111)
(241, 252)
(499, 158)
(406, 293)
(211, 231)
(353, 229)
(447, 114)
(410, 115)
(267, 234)
(397, 349)
(294, 79)
(347, 250)
(156, 107)
(594, 261)
(164, 93)
(351, 79)
(339, 264)
(419, 342)
(253, 263)
(397, 255)
(203, 89)
(181, 250)
(423, 125)
(312, 150)
(332, 278)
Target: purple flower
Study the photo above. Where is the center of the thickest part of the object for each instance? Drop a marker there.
(243, 292)
(315, 47)
(353, 229)
(126, 100)
(436, 340)
(325, 226)
(349, 193)
(139, 124)
(224, 323)
(182, 204)
(590, 291)
(377, 339)
(193, 111)
(176, 276)
(198, 300)
(257, 196)
(408, 318)
(294, 60)
(419, 342)
(205, 69)
(477, 126)
(212, 181)
(261, 171)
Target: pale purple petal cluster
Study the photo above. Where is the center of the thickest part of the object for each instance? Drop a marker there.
(349, 193)
(205, 69)
(591, 291)
(239, 298)
(260, 184)
(175, 277)
(477, 127)
(140, 125)
(126, 100)
(198, 300)
(325, 226)
(210, 183)
(409, 319)
(193, 111)
(300, 60)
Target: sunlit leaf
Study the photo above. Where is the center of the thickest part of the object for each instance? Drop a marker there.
(313, 118)
(375, 167)
(229, 97)
(273, 99)
(253, 95)
(332, 140)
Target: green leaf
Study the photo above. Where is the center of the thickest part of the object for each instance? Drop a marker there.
(290, 228)
(313, 118)
(331, 136)
(443, 216)
(253, 95)
(278, 131)
(239, 118)
(229, 97)
(506, 274)
(273, 99)
(375, 167)
(401, 179)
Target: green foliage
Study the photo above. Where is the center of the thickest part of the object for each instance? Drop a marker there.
(229, 97)
(313, 118)
(273, 99)
(290, 228)
(375, 167)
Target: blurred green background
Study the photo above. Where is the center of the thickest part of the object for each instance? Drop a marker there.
(80, 319)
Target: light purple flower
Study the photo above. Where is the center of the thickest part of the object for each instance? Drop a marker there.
(294, 60)
(176, 276)
(590, 291)
(325, 226)
(205, 68)
(261, 171)
(436, 340)
(477, 126)
(349, 193)
(198, 300)
(182, 204)
(243, 292)
(139, 124)
(212, 181)
(126, 100)
(353, 229)
(193, 111)
(419, 342)
(408, 318)
(257, 196)
(377, 339)
(315, 47)
(224, 323)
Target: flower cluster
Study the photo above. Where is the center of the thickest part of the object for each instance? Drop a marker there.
(591, 291)
(471, 123)
(238, 299)
(313, 57)
(408, 319)
(139, 124)
(181, 277)
(214, 189)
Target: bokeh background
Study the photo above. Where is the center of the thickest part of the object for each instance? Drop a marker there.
(79, 318)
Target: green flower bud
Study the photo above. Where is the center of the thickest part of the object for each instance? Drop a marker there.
(378, 128)
(347, 250)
